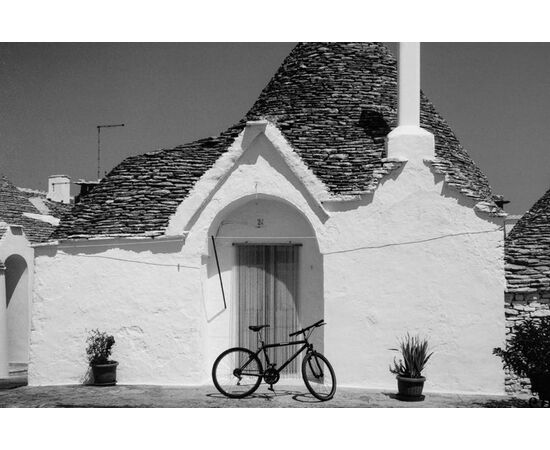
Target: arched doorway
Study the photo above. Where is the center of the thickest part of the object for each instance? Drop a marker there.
(272, 272)
(17, 305)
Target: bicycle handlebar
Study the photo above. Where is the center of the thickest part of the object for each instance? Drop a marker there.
(303, 330)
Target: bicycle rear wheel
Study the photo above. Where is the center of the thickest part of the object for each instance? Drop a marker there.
(237, 372)
(319, 376)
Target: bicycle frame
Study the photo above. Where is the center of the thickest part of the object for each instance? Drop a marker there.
(263, 348)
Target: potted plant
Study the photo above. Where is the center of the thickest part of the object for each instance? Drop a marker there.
(408, 370)
(527, 354)
(99, 350)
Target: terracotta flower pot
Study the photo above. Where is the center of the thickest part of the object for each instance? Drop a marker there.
(105, 374)
(410, 389)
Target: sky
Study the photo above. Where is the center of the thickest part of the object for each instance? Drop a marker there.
(495, 96)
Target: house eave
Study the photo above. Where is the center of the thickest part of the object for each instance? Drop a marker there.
(83, 240)
(485, 206)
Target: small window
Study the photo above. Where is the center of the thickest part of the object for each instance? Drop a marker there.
(16, 230)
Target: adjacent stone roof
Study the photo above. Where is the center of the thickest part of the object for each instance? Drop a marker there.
(14, 203)
(527, 250)
(334, 102)
(56, 209)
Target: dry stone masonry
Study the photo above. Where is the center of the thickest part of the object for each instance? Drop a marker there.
(527, 255)
(519, 307)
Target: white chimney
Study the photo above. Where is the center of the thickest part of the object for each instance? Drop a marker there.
(408, 141)
(59, 188)
(408, 71)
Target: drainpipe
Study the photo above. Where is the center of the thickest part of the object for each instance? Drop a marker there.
(4, 369)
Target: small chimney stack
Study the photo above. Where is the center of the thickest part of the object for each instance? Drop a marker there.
(59, 188)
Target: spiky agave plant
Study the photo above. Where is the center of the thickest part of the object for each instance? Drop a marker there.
(414, 351)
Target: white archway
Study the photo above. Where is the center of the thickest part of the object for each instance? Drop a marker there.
(17, 306)
(260, 220)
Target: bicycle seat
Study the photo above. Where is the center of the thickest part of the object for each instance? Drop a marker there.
(257, 328)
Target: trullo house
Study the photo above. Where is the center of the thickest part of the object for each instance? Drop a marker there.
(342, 194)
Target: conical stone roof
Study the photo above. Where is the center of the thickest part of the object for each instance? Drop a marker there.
(14, 204)
(334, 103)
(527, 250)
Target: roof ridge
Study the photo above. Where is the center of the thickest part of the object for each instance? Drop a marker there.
(32, 191)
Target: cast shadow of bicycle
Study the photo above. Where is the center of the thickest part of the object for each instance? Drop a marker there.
(302, 397)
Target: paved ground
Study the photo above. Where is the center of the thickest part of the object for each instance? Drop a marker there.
(207, 397)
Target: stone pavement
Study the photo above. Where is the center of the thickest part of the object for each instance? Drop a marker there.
(140, 396)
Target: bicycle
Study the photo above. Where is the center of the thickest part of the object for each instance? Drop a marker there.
(238, 371)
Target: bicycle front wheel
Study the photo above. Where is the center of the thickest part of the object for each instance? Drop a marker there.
(237, 372)
(319, 376)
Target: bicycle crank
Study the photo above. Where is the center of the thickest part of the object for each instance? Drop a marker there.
(271, 375)
(237, 374)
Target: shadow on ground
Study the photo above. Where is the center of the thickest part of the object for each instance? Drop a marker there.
(504, 403)
(270, 396)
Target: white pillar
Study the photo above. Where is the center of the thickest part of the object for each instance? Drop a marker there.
(408, 70)
(4, 367)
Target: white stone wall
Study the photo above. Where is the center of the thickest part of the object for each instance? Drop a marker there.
(520, 307)
(414, 256)
(134, 292)
(425, 263)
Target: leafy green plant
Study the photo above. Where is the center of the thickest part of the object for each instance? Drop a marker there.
(528, 351)
(99, 348)
(414, 352)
